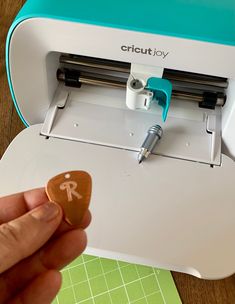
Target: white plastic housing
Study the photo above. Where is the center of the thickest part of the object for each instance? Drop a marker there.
(138, 97)
(33, 65)
(182, 211)
(169, 213)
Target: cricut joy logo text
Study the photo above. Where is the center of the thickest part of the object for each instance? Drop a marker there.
(150, 51)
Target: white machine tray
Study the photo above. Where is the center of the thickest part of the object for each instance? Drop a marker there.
(181, 218)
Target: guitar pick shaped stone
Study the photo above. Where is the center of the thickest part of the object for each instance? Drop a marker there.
(72, 191)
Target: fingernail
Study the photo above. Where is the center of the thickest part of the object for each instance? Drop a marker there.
(46, 212)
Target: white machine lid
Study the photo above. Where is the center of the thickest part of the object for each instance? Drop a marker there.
(168, 213)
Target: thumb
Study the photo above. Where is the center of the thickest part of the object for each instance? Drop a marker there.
(25, 235)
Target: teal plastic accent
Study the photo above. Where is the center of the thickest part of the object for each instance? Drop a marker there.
(162, 90)
(204, 20)
(9, 74)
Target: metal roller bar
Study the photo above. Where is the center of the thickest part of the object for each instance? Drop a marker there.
(107, 81)
(103, 64)
(200, 98)
(75, 78)
(172, 75)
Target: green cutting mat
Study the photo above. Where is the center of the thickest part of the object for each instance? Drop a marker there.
(93, 280)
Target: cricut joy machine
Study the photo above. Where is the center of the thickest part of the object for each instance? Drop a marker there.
(89, 79)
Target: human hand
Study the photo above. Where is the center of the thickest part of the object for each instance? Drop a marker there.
(34, 244)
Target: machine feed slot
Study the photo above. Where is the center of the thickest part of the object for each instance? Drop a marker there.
(98, 115)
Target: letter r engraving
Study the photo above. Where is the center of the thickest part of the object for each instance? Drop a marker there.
(70, 187)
